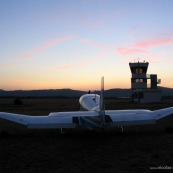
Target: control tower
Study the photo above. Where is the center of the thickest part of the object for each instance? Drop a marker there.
(143, 85)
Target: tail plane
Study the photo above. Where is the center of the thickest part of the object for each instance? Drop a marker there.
(102, 95)
(102, 106)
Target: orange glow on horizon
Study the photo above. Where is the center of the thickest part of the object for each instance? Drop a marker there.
(28, 85)
(91, 87)
(77, 83)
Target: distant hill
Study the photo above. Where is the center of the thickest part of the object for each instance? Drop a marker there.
(166, 91)
(73, 93)
(127, 92)
(42, 93)
(118, 92)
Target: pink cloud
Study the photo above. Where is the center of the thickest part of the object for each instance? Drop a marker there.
(83, 63)
(46, 46)
(86, 41)
(143, 46)
(8, 64)
(130, 51)
(155, 42)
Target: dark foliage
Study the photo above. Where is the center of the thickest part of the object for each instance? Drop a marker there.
(18, 102)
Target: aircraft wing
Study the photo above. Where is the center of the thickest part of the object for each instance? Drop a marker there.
(54, 120)
(137, 117)
(68, 119)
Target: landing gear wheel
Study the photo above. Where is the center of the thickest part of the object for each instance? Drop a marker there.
(120, 129)
(62, 131)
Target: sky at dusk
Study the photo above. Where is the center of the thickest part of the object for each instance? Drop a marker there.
(53, 44)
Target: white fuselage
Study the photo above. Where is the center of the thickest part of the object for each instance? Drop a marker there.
(89, 102)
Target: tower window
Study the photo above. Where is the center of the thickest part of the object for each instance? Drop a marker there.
(139, 80)
(138, 70)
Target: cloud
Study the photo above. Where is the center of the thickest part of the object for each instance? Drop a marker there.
(130, 51)
(154, 42)
(45, 46)
(142, 47)
(8, 64)
(83, 63)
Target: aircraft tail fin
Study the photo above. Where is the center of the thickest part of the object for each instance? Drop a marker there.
(102, 106)
(102, 95)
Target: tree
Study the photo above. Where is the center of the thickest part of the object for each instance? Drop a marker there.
(18, 102)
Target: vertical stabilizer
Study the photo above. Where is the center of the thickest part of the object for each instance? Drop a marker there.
(102, 95)
(102, 109)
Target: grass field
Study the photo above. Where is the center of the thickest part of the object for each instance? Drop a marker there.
(136, 150)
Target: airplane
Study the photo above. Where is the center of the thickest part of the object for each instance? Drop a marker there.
(92, 115)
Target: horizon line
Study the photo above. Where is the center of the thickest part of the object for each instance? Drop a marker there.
(72, 89)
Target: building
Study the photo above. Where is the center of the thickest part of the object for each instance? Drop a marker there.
(143, 85)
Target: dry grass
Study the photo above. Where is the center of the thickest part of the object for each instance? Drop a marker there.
(79, 150)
